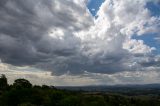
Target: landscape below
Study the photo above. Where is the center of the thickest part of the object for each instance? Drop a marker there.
(23, 93)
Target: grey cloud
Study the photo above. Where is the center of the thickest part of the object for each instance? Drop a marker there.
(78, 64)
(24, 34)
(26, 28)
(153, 61)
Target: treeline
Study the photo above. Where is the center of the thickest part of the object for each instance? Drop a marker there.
(23, 93)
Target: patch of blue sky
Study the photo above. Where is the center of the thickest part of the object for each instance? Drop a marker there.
(149, 39)
(154, 8)
(93, 6)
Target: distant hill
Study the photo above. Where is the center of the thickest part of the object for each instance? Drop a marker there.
(145, 89)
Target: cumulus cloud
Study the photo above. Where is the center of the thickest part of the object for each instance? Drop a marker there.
(62, 36)
(109, 42)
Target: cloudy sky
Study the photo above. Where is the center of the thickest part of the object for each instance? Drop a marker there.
(80, 42)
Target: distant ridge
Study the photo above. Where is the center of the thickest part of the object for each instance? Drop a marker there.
(113, 88)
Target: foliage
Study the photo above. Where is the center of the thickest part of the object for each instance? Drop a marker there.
(3, 82)
(22, 93)
(22, 83)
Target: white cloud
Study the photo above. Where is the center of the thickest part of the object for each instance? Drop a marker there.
(93, 9)
(117, 21)
(137, 47)
(111, 35)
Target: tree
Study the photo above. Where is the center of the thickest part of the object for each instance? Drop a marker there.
(22, 83)
(26, 104)
(3, 82)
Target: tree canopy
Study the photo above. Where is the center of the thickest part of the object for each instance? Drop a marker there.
(22, 83)
(23, 93)
(3, 82)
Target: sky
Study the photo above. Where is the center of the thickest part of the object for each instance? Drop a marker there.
(80, 42)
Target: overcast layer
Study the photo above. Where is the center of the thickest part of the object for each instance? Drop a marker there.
(63, 39)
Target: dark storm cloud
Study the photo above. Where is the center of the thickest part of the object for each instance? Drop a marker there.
(78, 64)
(24, 34)
(24, 28)
(2, 3)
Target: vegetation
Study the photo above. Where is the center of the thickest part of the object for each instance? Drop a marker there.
(23, 93)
